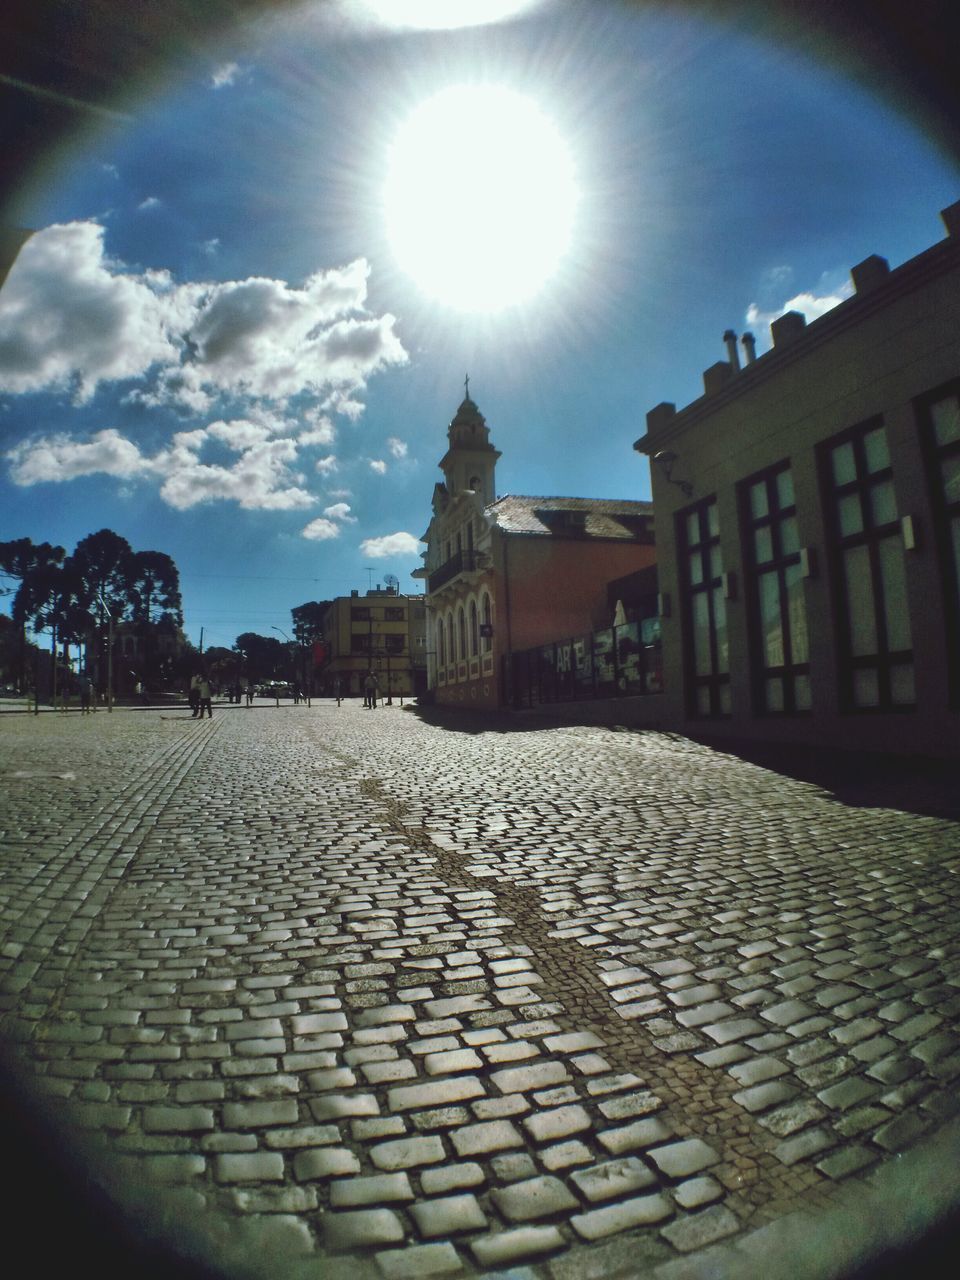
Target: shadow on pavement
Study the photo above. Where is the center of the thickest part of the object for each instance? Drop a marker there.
(867, 780)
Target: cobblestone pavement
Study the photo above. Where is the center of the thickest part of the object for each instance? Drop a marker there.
(357, 990)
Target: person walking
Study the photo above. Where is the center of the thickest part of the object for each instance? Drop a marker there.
(371, 688)
(85, 686)
(206, 700)
(193, 696)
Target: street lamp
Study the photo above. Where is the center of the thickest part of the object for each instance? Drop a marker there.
(103, 606)
(303, 663)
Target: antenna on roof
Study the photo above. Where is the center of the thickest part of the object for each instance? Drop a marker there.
(466, 387)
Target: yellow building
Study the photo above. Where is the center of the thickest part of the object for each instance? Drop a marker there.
(380, 631)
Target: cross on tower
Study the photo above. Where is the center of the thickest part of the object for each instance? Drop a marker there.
(466, 386)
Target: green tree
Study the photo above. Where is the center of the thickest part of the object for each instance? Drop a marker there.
(264, 657)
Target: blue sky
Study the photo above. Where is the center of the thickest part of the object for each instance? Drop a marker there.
(214, 345)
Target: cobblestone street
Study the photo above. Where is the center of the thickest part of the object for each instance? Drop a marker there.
(368, 992)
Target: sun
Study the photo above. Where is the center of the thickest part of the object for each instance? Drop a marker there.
(480, 197)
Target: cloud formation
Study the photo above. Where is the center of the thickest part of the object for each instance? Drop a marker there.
(224, 75)
(811, 305)
(378, 465)
(260, 478)
(72, 318)
(340, 511)
(397, 447)
(320, 530)
(391, 544)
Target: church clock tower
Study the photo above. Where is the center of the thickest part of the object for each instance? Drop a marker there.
(470, 461)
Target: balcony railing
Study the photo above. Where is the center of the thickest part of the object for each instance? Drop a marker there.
(462, 562)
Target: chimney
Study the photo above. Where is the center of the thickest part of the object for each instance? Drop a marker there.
(870, 273)
(951, 219)
(354, 595)
(716, 377)
(787, 328)
(749, 347)
(730, 338)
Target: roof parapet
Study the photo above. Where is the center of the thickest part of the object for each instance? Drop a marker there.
(716, 377)
(951, 219)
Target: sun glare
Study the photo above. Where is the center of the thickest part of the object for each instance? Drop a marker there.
(480, 197)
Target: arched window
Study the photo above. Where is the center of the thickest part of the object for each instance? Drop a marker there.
(487, 621)
(451, 651)
(462, 632)
(474, 630)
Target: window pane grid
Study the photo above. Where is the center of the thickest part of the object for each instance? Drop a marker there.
(705, 631)
(876, 647)
(779, 651)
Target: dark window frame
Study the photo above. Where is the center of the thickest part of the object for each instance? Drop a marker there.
(779, 563)
(869, 536)
(715, 681)
(944, 513)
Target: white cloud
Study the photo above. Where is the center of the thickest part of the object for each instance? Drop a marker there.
(71, 318)
(378, 465)
(211, 247)
(340, 511)
(391, 544)
(151, 202)
(320, 530)
(396, 447)
(260, 478)
(326, 465)
(225, 74)
(60, 457)
(811, 306)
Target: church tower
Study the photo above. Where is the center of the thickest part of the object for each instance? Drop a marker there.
(470, 461)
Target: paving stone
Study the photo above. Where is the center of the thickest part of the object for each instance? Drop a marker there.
(337, 1106)
(901, 1132)
(630, 1104)
(324, 1162)
(809, 1143)
(362, 1228)
(640, 1212)
(847, 1161)
(795, 1115)
(377, 1188)
(564, 1155)
(697, 1192)
(448, 1216)
(435, 1093)
(847, 1092)
(484, 1138)
(524, 1079)
(451, 1177)
(635, 1137)
(763, 1096)
(697, 1230)
(681, 1159)
(259, 1115)
(533, 1198)
(417, 1261)
(407, 1153)
(169, 1119)
(258, 1166)
(507, 1247)
(733, 1029)
(613, 1179)
(548, 1126)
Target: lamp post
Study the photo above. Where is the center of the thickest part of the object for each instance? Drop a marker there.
(103, 606)
(303, 664)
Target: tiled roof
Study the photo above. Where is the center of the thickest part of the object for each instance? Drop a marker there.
(572, 517)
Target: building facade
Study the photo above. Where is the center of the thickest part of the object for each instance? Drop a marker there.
(506, 574)
(380, 631)
(808, 522)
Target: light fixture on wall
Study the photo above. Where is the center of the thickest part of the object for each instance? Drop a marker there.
(665, 460)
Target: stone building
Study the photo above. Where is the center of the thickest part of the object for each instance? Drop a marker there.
(506, 574)
(808, 522)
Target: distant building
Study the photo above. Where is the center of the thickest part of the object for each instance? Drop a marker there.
(808, 522)
(380, 631)
(507, 574)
